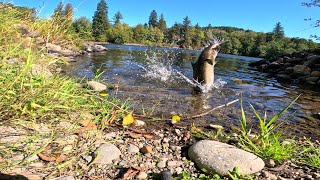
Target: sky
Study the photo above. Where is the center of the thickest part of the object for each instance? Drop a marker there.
(256, 15)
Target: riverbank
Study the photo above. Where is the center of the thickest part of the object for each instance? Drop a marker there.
(302, 68)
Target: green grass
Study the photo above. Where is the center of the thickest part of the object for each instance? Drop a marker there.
(269, 143)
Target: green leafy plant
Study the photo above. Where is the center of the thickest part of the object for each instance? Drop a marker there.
(269, 142)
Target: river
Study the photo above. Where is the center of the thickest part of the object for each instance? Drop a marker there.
(156, 81)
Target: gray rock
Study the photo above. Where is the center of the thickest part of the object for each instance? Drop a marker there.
(98, 48)
(39, 70)
(133, 149)
(97, 86)
(301, 69)
(106, 153)
(52, 48)
(270, 163)
(283, 77)
(312, 60)
(67, 148)
(315, 74)
(179, 170)
(216, 157)
(289, 70)
(67, 52)
(165, 175)
(33, 34)
(312, 80)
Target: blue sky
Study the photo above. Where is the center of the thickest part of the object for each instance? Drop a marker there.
(257, 15)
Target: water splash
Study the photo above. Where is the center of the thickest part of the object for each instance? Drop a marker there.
(160, 66)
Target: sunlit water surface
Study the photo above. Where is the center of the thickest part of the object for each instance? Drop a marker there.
(158, 81)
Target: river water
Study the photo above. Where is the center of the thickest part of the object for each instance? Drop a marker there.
(158, 81)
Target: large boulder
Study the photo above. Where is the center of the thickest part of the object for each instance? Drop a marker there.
(312, 61)
(315, 74)
(217, 157)
(52, 48)
(98, 48)
(301, 69)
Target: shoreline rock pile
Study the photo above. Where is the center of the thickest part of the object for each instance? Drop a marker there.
(296, 68)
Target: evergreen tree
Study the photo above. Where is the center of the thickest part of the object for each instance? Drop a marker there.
(186, 22)
(68, 14)
(186, 33)
(162, 23)
(117, 17)
(57, 14)
(100, 21)
(153, 19)
(278, 31)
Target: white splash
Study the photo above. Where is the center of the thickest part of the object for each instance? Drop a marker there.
(160, 67)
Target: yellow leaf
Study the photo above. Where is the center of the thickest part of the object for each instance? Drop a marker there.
(175, 118)
(104, 94)
(128, 119)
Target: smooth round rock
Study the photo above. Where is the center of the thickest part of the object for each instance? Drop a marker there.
(106, 153)
(142, 175)
(133, 149)
(217, 157)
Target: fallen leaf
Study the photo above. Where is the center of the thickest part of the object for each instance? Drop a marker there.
(128, 119)
(176, 118)
(61, 158)
(46, 158)
(148, 136)
(87, 123)
(130, 173)
(104, 94)
(138, 131)
(134, 135)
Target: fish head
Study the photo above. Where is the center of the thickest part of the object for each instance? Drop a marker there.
(212, 49)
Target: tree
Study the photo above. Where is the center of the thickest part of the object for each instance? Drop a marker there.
(68, 12)
(100, 21)
(278, 31)
(82, 26)
(57, 14)
(153, 19)
(313, 3)
(186, 33)
(117, 17)
(162, 23)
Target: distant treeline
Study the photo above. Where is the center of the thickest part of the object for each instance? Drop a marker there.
(184, 35)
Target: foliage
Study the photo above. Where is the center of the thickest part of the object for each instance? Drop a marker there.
(153, 19)
(119, 34)
(82, 26)
(117, 17)
(278, 31)
(100, 21)
(162, 23)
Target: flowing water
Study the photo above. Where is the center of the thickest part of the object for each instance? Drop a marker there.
(158, 81)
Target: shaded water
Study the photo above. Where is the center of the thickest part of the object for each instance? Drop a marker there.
(159, 81)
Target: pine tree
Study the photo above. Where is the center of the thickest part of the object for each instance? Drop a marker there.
(162, 23)
(117, 17)
(68, 12)
(153, 19)
(100, 21)
(57, 14)
(278, 31)
(186, 22)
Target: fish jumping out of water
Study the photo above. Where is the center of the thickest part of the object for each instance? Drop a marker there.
(203, 68)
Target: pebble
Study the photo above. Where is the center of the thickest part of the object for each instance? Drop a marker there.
(179, 170)
(87, 158)
(146, 149)
(133, 149)
(32, 158)
(142, 175)
(270, 163)
(165, 140)
(106, 153)
(172, 163)
(161, 164)
(65, 178)
(67, 148)
(139, 123)
(177, 131)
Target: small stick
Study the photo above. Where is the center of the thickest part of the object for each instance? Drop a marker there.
(218, 107)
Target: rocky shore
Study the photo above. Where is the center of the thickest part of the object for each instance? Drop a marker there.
(297, 68)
